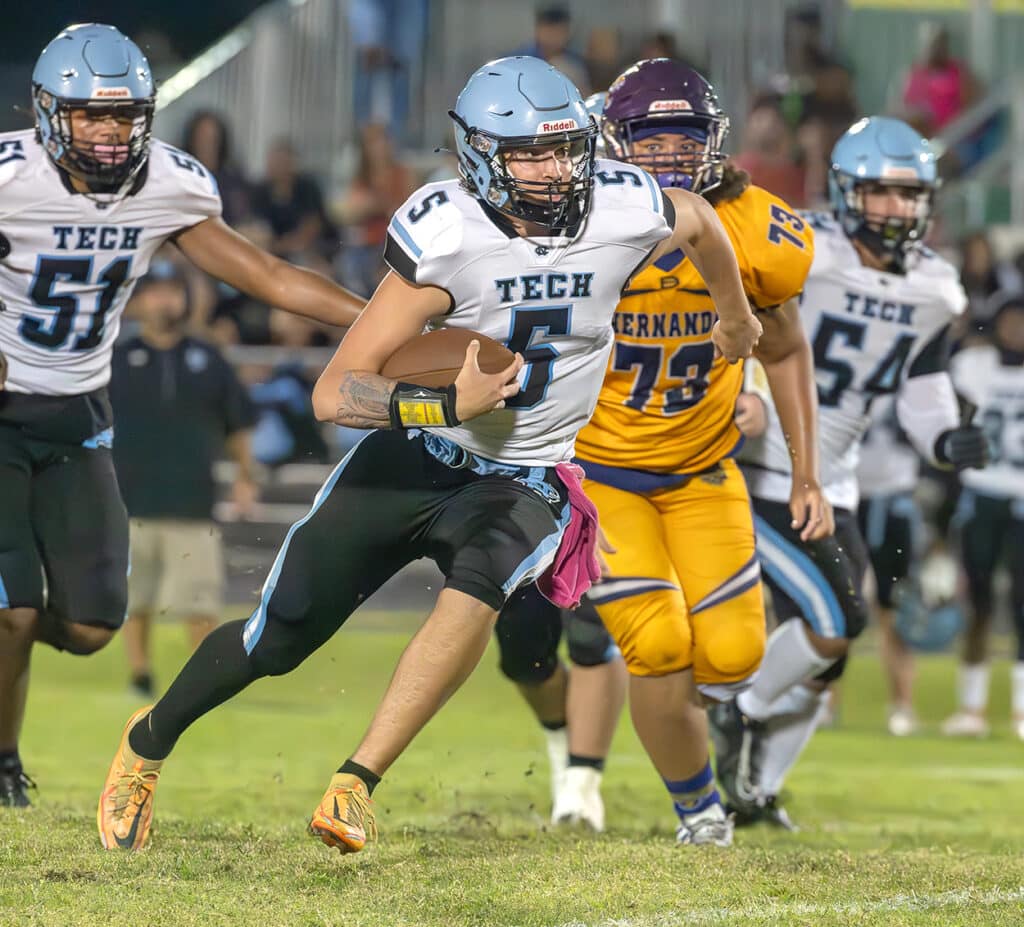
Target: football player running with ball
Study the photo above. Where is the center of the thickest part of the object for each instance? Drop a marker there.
(86, 199)
(683, 599)
(526, 248)
(878, 305)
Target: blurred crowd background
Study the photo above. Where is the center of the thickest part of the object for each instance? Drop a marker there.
(319, 117)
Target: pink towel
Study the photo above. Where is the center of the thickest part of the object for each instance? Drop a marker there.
(576, 567)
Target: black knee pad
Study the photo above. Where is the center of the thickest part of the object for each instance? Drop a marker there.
(528, 631)
(590, 644)
(77, 639)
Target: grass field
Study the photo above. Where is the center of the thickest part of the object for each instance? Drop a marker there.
(921, 831)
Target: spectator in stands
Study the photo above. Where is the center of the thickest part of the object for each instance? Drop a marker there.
(938, 87)
(177, 407)
(208, 139)
(825, 114)
(381, 184)
(769, 153)
(287, 430)
(603, 56)
(552, 30)
(390, 39)
(982, 276)
(292, 204)
(660, 45)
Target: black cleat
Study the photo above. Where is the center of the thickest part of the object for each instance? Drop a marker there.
(773, 813)
(738, 742)
(14, 786)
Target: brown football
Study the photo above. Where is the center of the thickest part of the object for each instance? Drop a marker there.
(435, 358)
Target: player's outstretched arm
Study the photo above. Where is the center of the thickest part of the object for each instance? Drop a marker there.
(699, 233)
(788, 363)
(351, 390)
(220, 251)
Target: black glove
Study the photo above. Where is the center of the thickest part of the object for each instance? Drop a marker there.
(962, 447)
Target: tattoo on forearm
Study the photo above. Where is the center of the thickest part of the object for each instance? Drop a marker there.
(363, 400)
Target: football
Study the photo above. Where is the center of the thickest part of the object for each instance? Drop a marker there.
(435, 358)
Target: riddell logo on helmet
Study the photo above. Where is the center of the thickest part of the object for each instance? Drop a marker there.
(111, 93)
(664, 106)
(562, 125)
(895, 172)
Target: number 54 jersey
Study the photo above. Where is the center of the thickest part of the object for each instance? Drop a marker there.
(870, 331)
(69, 261)
(667, 403)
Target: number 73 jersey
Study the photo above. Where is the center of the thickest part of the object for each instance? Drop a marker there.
(68, 262)
(667, 404)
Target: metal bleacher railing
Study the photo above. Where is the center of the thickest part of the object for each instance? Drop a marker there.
(984, 143)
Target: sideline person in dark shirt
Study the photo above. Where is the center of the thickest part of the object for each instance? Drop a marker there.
(178, 406)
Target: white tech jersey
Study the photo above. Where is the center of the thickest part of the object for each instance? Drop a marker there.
(550, 299)
(998, 391)
(888, 463)
(868, 330)
(68, 262)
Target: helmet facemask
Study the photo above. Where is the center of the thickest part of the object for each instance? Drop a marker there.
(698, 171)
(889, 237)
(105, 166)
(554, 205)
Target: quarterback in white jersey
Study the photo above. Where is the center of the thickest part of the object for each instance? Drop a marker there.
(989, 520)
(532, 247)
(86, 198)
(876, 306)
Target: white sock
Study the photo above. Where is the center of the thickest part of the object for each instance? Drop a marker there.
(1017, 688)
(558, 757)
(974, 687)
(787, 736)
(789, 658)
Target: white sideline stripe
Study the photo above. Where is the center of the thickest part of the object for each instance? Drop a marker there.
(771, 912)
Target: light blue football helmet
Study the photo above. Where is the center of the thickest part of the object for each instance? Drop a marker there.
(879, 150)
(516, 103)
(93, 66)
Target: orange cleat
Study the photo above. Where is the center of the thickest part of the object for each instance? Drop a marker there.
(344, 818)
(125, 811)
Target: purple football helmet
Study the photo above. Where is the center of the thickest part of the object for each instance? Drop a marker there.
(660, 96)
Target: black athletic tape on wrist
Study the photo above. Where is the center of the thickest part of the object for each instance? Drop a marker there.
(413, 406)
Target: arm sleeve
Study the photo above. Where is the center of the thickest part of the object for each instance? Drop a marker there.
(926, 407)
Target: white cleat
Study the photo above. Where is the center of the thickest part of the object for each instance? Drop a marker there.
(710, 827)
(1018, 727)
(558, 759)
(965, 724)
(579, 802)
(902, 722)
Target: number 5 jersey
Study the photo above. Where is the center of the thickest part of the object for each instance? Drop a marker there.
(69, 261)
(872, 333)
(667, 404)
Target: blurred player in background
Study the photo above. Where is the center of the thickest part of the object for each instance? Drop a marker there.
(86, 198)
(532, 247)
(682, 599)
(890, 521)
(879, 305)
(989, 522)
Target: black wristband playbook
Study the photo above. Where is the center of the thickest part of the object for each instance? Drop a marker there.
(413, 406)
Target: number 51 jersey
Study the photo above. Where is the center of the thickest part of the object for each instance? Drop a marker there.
(69, 261)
